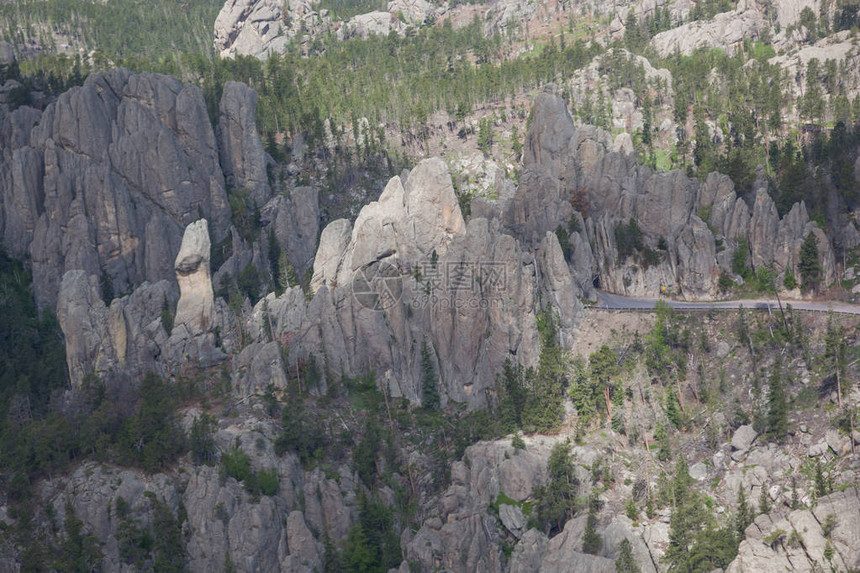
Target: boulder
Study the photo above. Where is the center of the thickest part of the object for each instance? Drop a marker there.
(513, 519)
(618, 530)
(83, 318)
(564, 552)
(623, 143)
(333, 243)
(819, 448)
(845, 507)
(258, 367)
(699, 471)
(742, 439)
(838, 444)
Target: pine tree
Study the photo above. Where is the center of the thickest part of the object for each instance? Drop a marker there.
(673, 408)
(512, 395)
(485, 135)
(625, 563)
(603, 366)
(274, 253)
(744, 515)
(822, 485)
(592, 541)
(358, 554)
(835, 359)
(166, 316)
(777, 412)
(516, 145)
(764, 504)
(664, 453)
(809, 266)
(429, 390)
(795, 496)
(229, 566)
(544, 407)
(582, 392)
(688, 519)
(556, 500)
(287, 277)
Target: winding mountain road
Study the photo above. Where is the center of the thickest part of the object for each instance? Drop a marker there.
(607, 301)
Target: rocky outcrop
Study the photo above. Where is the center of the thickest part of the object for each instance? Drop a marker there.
(195, 309)
(689, 230)
(411, 271)
(462, 522)
(219, 519)
(798, 541)
(257, 367)
(106, 179)
(261, 27)
(242, 157)
(414, 12)
(838, 47)
(125, 337)
(462, 535)
(84, 319)
(725, 31)
(192, 337)
(376, 23)
(7, 53)
(334, 240)
(788, 11)
(501, 15)
(295, 219)
(129, 336)
(587, 82)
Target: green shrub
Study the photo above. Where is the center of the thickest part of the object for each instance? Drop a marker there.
(518, 443)
(267, 481)
(725, 284)
(236, 464)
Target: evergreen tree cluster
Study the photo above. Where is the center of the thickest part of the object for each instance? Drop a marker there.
(696, 543)
(533, 399)
(556, 501)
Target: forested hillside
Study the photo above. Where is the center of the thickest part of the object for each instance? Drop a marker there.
(762, 101)
(106, 30)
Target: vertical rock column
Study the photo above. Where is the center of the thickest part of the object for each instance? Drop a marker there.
(197, 299)
(192, 337)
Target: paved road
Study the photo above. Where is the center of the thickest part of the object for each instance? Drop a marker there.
(609, 301)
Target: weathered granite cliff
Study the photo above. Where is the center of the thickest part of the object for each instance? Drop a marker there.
(106, 178)
(409, 271)
(566, 166)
